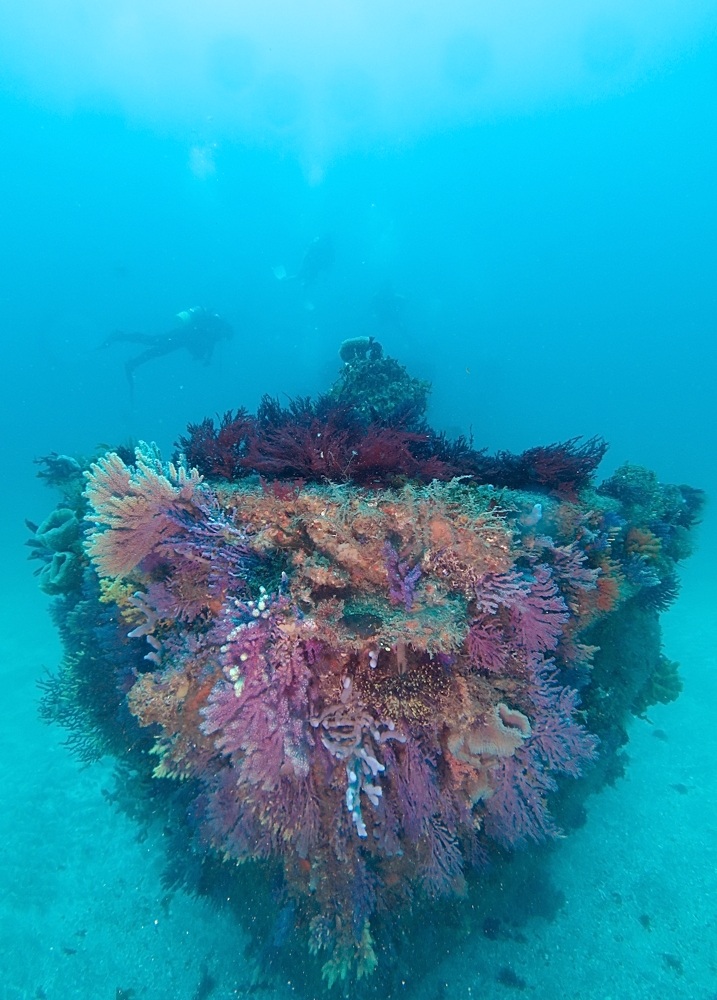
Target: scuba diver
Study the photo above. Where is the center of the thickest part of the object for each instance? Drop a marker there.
(319, 258)
(198, 331)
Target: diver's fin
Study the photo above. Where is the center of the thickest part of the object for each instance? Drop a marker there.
(281, 275)
(129, 372)
(116, 337)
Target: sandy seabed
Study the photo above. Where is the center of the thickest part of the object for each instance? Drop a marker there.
(83, 913)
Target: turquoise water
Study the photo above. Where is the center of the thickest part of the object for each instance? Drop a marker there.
(556, 261)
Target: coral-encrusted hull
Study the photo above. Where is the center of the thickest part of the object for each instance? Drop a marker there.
(362, 676)
(382, 705)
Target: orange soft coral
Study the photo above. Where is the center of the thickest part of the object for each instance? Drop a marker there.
(642, 542)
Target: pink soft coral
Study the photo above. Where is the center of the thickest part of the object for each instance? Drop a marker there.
(131, 509)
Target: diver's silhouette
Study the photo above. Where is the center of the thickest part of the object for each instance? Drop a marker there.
(319, 257)
(198, 331)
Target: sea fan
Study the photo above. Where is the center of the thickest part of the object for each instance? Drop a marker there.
(538, 617)
(442, 871)
(487, 645)
(517, 811)
(569, 566)
(132, 509)
(496, 589)
(262, 716)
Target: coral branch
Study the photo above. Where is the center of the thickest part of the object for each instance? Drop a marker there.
(131, 510)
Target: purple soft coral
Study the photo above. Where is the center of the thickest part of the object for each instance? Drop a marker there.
(487, 646)
(214, 541)
(562, 743)
(499, 589)
(539, 616)
(260, 715)
(517, 811)
(262, 710)
(402, 579)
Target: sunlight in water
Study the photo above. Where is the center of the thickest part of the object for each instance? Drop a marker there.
(321, 76)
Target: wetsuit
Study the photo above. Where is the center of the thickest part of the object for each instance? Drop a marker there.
(198, 332)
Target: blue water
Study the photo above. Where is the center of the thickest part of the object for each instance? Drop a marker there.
(558, 260)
